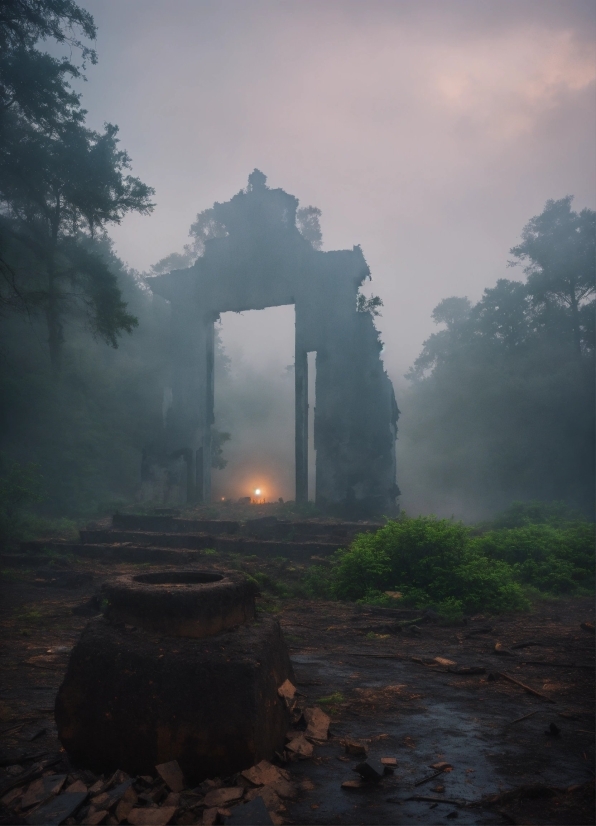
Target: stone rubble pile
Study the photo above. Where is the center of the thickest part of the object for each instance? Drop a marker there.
(256, 795)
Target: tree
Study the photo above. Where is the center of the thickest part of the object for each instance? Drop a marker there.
(61, 184)
(309, 224)
(559, 246)
(502, 398)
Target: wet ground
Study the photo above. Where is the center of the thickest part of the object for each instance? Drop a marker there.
(382, 686)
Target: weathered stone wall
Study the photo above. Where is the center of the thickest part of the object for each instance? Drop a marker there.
(264, 261)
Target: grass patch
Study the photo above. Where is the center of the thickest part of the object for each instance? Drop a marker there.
(332, 700)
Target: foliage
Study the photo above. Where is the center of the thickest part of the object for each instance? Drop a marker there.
(501, 405)
(308, 222)
(441, 563)
(61, 183)
(86, 432)
(20, 486)
(369, 305)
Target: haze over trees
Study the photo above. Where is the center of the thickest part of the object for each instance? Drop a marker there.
(61, 184)
(502, 399)
(501, 405)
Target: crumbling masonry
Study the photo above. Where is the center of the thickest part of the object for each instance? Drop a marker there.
(262, 260)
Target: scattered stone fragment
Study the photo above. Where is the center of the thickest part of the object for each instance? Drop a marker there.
(389, 762)
(126, 804)
(41, 790)
(269, 796)
(223, 796)
(287, 691)
(355, 749)
(352, 784)
(254, 813)
(504, 652)
(77, 786)
(283, 788)
(439, 789)
(151, 817)
(263, 773)
(300, 747)
(317, 723)
(370, 770)
(171, 773)
(442, 766)
(58, 809)
(444, 661)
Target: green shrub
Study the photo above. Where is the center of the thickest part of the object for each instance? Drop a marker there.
(432, 562)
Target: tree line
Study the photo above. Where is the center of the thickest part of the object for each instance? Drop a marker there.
(501, 405)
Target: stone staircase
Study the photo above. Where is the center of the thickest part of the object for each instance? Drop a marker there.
(171, 539)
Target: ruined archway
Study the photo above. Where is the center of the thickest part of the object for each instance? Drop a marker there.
(262, 260)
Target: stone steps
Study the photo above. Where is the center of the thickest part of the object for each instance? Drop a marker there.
(168, 539)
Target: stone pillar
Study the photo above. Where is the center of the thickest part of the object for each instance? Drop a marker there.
(209, 401)
(301, 378)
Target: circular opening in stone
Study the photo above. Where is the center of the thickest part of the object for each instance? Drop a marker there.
(178, 578)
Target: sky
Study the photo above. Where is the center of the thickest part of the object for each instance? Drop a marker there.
(427, 132)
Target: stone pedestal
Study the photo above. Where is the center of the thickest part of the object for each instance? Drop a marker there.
(134, 698)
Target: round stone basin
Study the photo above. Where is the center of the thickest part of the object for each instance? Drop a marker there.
(181, 603)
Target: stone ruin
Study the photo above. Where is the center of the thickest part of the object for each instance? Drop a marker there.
(261, 259)
(177, 668)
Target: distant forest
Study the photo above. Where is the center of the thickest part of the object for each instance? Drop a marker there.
(502, 397)
(501, 401)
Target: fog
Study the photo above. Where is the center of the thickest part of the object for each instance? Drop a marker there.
(254, 403)
(429, 132)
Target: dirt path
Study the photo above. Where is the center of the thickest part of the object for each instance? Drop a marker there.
(381, 686)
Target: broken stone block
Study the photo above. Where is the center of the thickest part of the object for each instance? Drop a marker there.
(270, 798)
(224, 796)
(262, 774)
(172, 774)
(137, 701)
(317, 723)
(370, 770)
(126, 804)
(57, 810)
(300, 747)
(355, 749)
(77, 786)
(41, 790)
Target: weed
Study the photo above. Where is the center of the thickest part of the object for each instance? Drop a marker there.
(332, 700)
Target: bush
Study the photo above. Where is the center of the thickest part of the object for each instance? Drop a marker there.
(443, 564)
(554, 559)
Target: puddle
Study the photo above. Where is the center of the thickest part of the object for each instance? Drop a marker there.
(432, 729)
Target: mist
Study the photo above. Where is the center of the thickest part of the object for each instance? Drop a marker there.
(428, 133)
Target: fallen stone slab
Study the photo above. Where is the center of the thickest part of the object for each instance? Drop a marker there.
(224, 796)
(57, 810)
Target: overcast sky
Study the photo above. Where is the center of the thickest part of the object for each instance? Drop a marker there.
(428, 132)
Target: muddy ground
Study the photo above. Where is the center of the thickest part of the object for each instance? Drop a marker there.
(381, 686)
